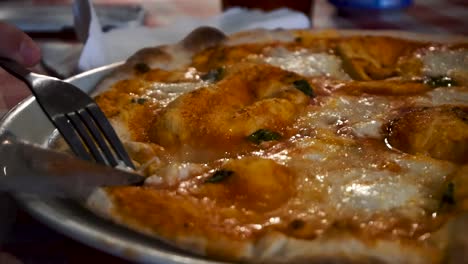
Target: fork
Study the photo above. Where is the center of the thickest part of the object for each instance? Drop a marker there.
(76, 116)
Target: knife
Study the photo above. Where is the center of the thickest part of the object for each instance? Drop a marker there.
(27, 168)
(81, 19)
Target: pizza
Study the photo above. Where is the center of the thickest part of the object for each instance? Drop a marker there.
(286, 146)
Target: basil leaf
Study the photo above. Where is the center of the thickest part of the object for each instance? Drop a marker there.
(139, 100)
(213, 75)
(304, 87)
(263, 135)
(448, 195)
(440, 81)
(460, 113)
(297, 224)
(141, 67)
(219, 176)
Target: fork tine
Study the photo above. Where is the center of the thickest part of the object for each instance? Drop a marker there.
(85, 137)
(109, 133)
(93, 129)
(63, 125)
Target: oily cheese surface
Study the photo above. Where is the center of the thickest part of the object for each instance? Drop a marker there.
(295, 146)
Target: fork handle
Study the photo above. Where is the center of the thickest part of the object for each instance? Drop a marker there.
(16, 70)
(21, 72)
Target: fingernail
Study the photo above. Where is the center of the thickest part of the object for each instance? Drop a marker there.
(30, 52)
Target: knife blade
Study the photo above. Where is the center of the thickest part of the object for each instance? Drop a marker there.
(82, 19)
(27, 168)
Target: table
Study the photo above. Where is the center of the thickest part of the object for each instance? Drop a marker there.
(32, 242)
(426, 16)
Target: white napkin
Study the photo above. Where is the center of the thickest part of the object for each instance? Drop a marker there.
(105, 48)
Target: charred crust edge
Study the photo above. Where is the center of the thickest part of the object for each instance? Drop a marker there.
(202, 38)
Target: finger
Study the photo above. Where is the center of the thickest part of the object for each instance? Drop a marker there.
(18, 46)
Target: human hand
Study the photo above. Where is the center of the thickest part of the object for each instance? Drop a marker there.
(18, 46)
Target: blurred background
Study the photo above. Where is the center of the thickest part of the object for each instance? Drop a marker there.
(50, 22)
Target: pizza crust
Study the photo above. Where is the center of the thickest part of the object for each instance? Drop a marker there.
(177, 55)
(166, 56)
(276, 247)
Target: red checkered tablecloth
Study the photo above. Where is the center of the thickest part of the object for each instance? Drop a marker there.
(28, 241)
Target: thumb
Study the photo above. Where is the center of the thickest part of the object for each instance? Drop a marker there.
(18, 46)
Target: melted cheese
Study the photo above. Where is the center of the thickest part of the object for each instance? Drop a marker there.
(306, 63)
(331, 171)
(358, 179)
(445, 62)
(442, 96)
(164, 93)
(362, 116)
(338, 175)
